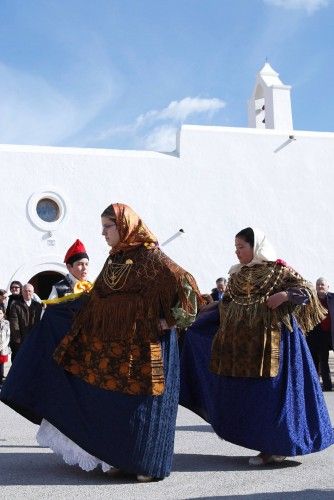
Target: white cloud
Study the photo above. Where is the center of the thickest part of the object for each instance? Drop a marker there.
(179, 111)
(309, 5)
(150, 135)
(161, 138)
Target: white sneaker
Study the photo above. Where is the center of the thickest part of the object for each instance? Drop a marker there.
(144, 479)
(263, 459)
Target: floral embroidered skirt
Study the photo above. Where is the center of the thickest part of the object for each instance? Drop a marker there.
(283, 415)
(133, 433)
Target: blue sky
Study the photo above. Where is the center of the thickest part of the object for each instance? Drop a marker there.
(128, 73)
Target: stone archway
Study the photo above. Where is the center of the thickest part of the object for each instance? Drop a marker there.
(43, 282)
(42, 272)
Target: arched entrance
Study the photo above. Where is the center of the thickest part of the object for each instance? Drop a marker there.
(43, 282)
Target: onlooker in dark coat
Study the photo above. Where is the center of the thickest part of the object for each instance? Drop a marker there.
(320, 338)
(16, 294)
(218, 292)
(23, 315)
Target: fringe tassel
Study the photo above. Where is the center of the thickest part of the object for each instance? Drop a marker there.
(122, 317)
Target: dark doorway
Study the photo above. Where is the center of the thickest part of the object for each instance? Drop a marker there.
(43, 282)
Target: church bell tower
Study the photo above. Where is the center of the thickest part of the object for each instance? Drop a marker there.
(270, 105)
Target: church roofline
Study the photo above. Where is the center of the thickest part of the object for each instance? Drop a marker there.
(257, 131)
(127, 153)
(31, 148)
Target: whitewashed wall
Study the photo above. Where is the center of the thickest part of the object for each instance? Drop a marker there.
(220, 180)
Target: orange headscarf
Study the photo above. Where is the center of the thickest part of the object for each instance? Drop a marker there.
(132, 230)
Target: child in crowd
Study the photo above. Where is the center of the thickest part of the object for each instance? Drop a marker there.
(4, 343)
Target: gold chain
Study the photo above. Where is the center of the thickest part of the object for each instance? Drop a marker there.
(257, 279)
(115, 275)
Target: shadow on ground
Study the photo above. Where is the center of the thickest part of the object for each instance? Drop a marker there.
(48, 469)
(194, 462)
(195, 428)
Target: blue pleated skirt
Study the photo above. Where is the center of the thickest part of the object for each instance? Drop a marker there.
(284, 415)
(133, 433)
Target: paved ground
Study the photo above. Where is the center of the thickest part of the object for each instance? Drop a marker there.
(204, 467)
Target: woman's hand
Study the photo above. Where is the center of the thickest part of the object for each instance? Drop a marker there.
(277, 299)
(164, 326)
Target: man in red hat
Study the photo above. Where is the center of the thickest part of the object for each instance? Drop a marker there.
(77, 262)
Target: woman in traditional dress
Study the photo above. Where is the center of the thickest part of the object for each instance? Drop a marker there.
(101, 373)
(245, 366)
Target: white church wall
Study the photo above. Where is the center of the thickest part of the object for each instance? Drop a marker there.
(88, 180)
(223, 179)
(267, 180)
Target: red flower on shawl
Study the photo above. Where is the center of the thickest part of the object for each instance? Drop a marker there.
(281, 262)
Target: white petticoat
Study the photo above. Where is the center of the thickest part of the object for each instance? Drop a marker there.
(50, 437)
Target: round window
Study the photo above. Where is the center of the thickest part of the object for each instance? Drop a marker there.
(48, 210)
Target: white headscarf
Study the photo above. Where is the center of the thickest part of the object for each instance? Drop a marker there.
(263, 252)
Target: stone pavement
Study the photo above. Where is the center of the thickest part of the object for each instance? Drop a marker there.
(204, 467)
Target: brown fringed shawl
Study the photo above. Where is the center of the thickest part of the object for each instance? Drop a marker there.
(248, 340)
(114, 340)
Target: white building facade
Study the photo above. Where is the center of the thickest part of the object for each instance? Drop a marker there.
(219, 180)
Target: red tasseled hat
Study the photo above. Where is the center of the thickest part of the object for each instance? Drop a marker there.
(76, 252)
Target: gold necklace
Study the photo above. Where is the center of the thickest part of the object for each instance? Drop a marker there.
(257, 282)
(115, 274)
